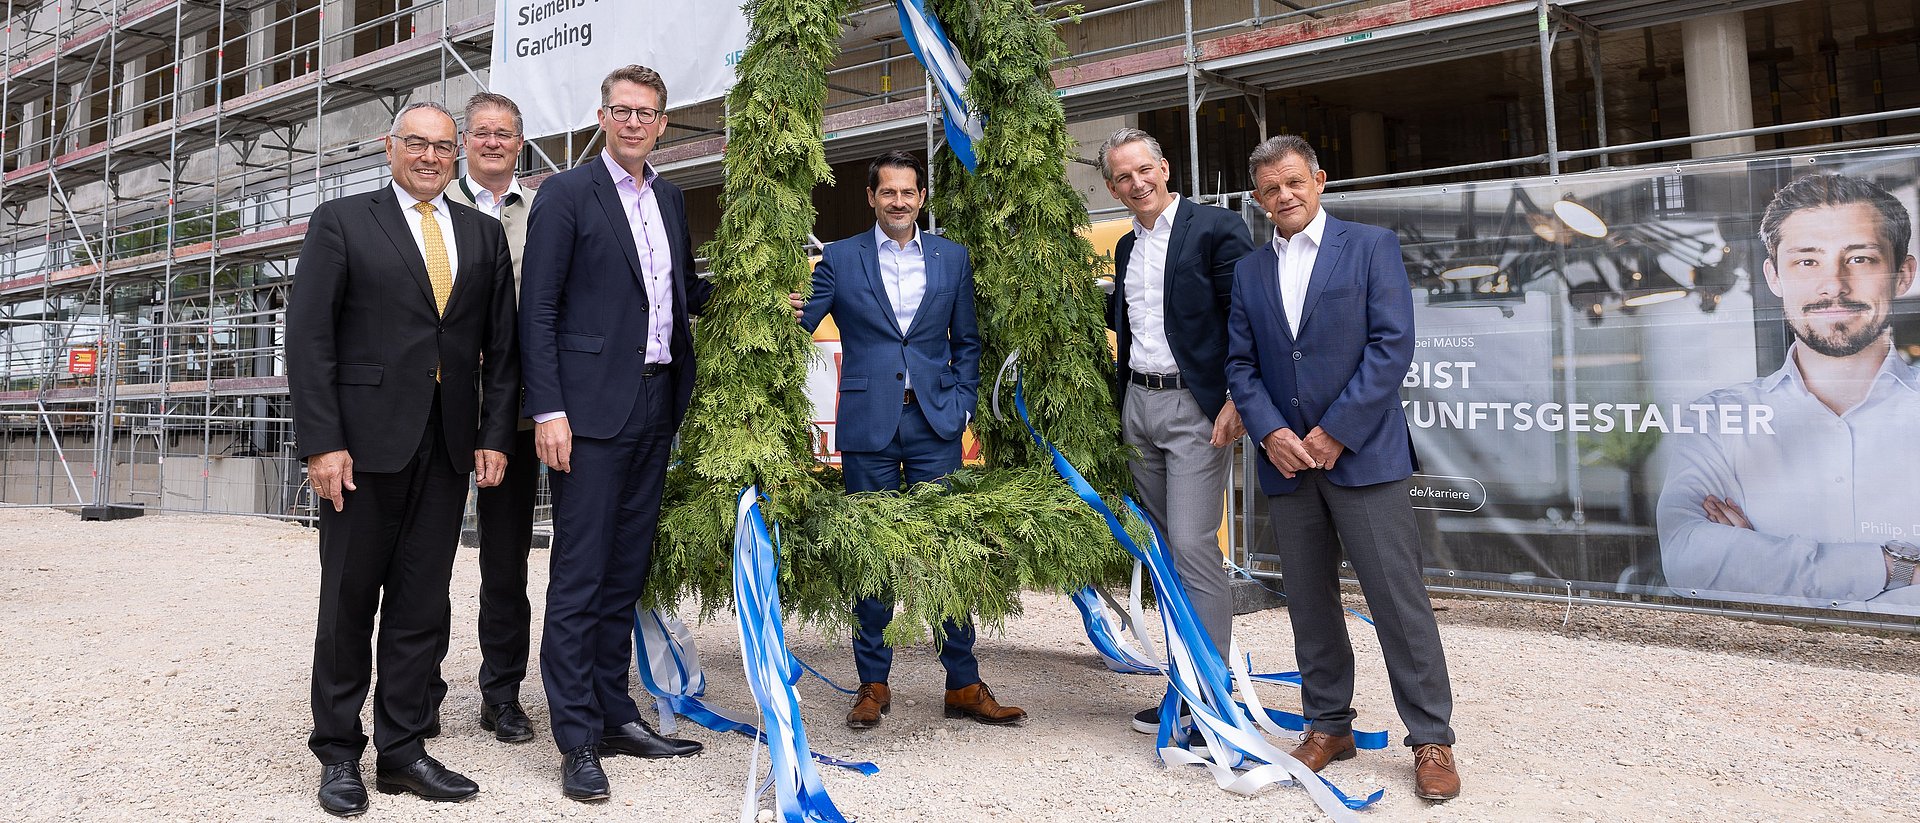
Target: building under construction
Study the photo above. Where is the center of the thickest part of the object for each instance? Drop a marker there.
(161, 158)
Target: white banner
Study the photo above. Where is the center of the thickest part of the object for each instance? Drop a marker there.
(550, 55)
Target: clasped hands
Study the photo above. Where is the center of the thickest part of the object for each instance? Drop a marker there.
(1291, 453)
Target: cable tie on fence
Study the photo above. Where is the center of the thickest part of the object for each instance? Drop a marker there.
(1569, 615)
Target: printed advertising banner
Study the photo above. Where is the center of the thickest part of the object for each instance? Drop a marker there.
(1696, 381)
(550, 55)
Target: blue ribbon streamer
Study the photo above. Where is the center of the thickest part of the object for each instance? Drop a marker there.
(949, 72)
(1101, 634)
(799, 793)
(1214, 688)
(688, 704)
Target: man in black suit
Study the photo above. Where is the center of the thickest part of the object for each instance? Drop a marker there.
(607, 349)
(403, 369)
(1173, 277)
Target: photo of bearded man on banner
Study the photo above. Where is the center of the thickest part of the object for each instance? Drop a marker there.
(1820, 505)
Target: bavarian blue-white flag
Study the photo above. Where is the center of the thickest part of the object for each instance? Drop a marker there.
(950, 73)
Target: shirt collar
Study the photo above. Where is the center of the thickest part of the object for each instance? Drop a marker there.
(407, 200)
(1892, 366)
(1160, 223)
(620, 174)
(880, 238)
(1316, 229)
(473, 189)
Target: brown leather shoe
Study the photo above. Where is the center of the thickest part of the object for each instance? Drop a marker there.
(1433, 775)
(874, 699)
(1320, 748)
(977, 702)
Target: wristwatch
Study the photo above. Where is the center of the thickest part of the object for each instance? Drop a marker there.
(1904, 558)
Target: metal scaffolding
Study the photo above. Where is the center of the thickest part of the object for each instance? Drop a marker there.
(161, 158)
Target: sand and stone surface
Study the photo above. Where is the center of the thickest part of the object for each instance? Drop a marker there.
(156, 669)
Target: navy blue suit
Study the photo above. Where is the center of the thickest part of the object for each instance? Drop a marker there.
(584, 313)
(1206, 243)
(885, 442)
(1341, 372)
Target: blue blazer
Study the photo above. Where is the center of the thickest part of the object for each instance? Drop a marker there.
(583, 305)
(1342, 371)
(941, 351)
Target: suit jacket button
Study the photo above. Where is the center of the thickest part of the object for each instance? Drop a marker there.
(899, 376)
(1296, 402)
(1296, 355)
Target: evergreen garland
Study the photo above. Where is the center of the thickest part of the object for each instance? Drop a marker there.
(1032, 268)
(946, 552)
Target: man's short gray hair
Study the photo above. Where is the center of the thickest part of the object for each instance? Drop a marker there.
(489, 100)
(1276, 148)
(424, 104)
(1121, 138)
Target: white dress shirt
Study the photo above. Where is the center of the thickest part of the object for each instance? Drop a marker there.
(903, 272)
(1823, 490)
(483, 198)
(1149, 352)
(441, 215)
(1296, 266)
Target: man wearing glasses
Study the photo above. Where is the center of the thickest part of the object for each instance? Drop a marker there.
(403, 372)
(494, 140)
(608, 360)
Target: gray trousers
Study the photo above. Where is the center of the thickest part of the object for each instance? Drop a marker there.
(1375, 525)
(1182, 481)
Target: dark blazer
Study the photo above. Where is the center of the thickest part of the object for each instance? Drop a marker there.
(1206, 242)
(364, 338)
(941, 351)
(583, 304)
(1343, 372)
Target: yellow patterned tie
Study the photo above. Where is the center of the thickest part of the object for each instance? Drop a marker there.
(439, 271)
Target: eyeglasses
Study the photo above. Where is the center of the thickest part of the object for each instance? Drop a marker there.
(621, 113)
(418, 146)
(501, 136)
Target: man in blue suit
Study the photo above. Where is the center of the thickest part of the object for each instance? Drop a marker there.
(909, 380)
(1320, 335)
(607, 287)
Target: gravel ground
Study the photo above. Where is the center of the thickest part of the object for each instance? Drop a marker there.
(158, 671)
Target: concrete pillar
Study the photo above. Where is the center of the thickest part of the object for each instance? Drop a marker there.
(337, 16)
(1367, 143)
(1086, 179)
(1719, 92)
(132, 93)
(259, 47)
(32, 128)
(193, 72)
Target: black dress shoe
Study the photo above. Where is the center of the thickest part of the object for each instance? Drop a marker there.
(428, 779)
(640, 740)
(507, 721)
(342, 793)
(581, 777)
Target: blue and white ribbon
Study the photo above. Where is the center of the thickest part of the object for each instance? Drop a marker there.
(1115, 631)
(950, 74)
(669, 664)
(1232, 731)
(771, 672)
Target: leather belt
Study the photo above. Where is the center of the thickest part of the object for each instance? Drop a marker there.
(654, 369)
(909, 399)
(1158, 381)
